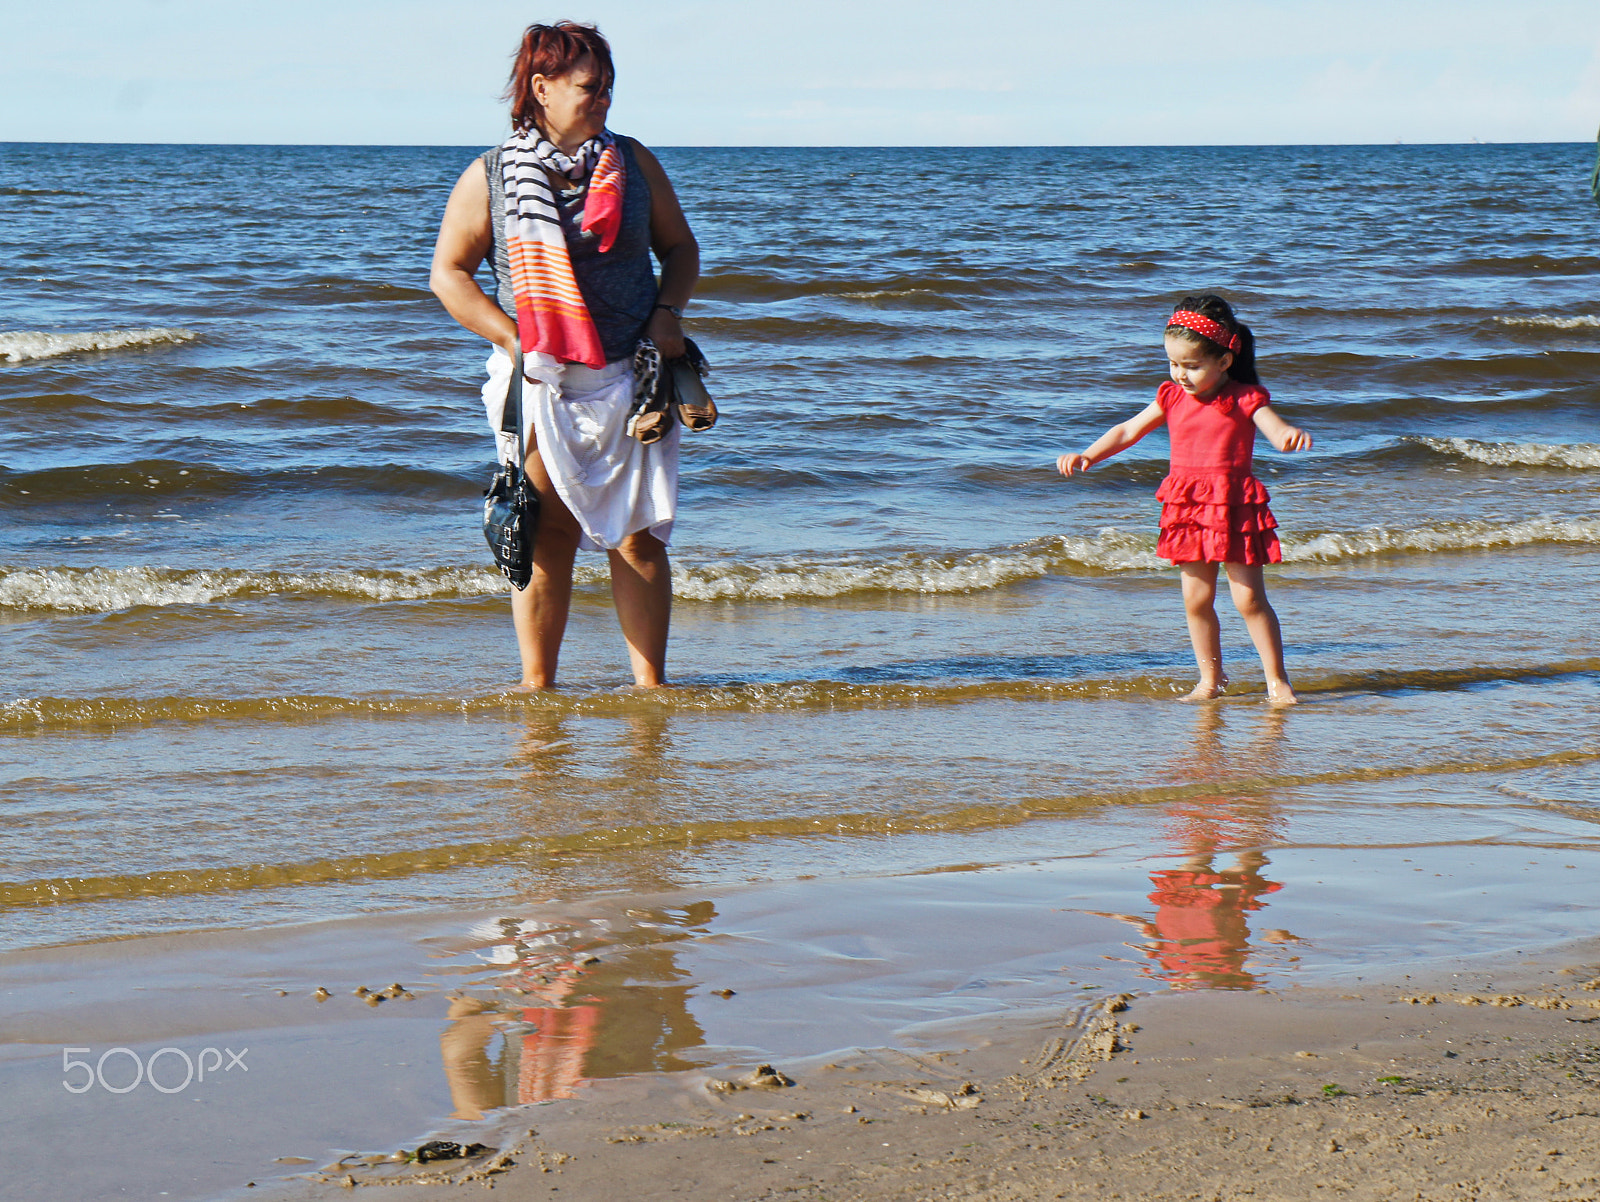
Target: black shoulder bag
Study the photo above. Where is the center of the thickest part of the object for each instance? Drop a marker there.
(510, 505)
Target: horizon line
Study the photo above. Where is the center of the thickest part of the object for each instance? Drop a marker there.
(841, 145)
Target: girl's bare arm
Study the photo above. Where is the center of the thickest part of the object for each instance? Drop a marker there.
(1279, 432)
(1119, 438)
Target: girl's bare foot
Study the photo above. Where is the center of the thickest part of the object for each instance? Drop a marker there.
(1207, 690)
(529, 687)
(1281, 694)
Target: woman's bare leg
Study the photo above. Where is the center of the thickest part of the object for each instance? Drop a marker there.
(1248, 584)
(539, 612)
(641, 588)
(1205, 635)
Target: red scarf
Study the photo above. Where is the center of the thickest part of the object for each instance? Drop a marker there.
(551, 316)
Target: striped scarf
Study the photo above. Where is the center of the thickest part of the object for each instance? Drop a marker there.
(551, 316)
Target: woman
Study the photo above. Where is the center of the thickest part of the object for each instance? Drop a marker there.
(567, 215)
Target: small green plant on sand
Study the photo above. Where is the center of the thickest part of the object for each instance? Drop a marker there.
(1332, 1091)
(1392, 1080)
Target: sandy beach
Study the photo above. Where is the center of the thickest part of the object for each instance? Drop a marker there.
(1474, 1083)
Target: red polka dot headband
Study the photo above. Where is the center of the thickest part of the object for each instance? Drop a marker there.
(1206, 328)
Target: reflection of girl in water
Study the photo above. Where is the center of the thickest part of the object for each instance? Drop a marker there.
(1199, 937)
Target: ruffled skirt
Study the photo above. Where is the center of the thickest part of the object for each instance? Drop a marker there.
(1216, 517)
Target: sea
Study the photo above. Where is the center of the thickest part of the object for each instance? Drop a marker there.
(924, 760)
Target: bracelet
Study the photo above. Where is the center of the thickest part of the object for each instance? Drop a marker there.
(672, 309)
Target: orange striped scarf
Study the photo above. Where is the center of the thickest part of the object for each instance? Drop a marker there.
(551, 316)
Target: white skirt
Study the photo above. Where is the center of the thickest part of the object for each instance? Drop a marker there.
(577, 417)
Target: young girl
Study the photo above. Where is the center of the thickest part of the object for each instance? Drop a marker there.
(1212, 509)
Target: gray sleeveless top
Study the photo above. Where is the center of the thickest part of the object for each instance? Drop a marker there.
(619, 287)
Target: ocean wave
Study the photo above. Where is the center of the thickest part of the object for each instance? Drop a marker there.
(1509, 454)
(148, 479)
(340, 290)
(22, 346)
(297, 412)
(1547, 400)
(107, 590)
(32, 715)
(1442, 375)
(1530, 267)
(915, 571)
(765, 287)
(71, 590)
(843, 823)
(1442, 536)
(1546, 322)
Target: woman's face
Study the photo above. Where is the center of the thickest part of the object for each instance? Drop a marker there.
(575, 104)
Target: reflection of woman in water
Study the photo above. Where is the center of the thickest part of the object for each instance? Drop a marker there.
(573, 1020)
(1199, 937)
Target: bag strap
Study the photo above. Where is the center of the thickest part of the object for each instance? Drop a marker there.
(513, 408)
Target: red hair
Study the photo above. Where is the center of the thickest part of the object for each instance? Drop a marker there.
(552, 51)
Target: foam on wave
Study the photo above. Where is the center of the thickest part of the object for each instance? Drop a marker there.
(21, 346)
(914, 571)
(24, 714)
(105, 590)
(1508, 454)
(1444, 536)
(1545, 322)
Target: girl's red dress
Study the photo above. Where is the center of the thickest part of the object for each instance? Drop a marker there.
(1212, 509)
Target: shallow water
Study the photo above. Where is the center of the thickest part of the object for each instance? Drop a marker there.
(253, 656)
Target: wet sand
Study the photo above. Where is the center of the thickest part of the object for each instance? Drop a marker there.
(1473, 1084)
(600, 1024)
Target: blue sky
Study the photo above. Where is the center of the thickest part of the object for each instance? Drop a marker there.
(822, 72)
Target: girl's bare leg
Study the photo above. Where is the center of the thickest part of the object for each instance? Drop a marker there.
(641, 588)
(1199, 605)
(1247, 583)
(539, 612)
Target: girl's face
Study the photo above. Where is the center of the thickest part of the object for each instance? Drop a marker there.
(1196, 370)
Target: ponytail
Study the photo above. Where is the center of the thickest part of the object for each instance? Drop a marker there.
(1213, 307)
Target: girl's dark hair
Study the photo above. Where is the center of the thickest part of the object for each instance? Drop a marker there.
(1209, 304)
(552, 51)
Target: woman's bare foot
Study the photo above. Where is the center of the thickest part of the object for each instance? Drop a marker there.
(529, 687)
(1207, 690)
(1281, 694)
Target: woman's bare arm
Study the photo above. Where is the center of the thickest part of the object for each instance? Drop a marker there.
(675, 247)
(465, 239)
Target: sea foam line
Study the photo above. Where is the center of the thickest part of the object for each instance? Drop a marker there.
(1545, 322)
(21, 346)
(107, 590)
(1508, 454)
(32, 715)
(915, 571)
(1444, 536)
